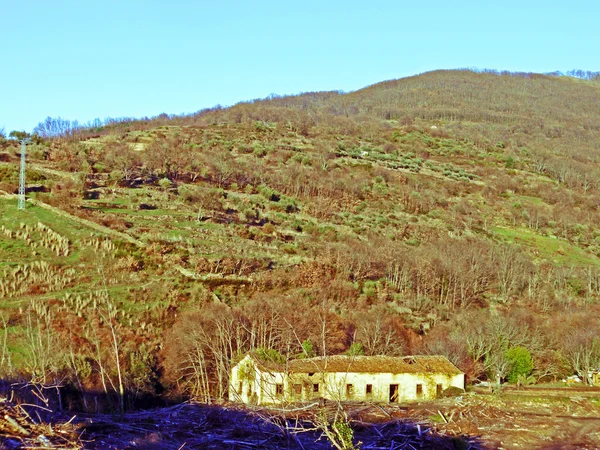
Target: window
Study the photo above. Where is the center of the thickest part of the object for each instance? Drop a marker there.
(298, 389)
(240, 388)
(316, 388)
(369, 390)
(349, 390)
(419, 390)
(279, 390)
(439, 389)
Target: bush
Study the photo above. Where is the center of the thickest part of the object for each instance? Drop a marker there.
(116, 176)
(308, 350)
(356, 349)
(189, 194)
(269, 193)
(165, 183)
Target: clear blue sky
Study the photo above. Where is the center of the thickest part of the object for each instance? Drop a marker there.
(83, 59)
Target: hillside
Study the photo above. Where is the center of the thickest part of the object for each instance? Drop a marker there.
(451, 213)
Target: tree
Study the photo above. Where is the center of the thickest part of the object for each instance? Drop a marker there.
(497, 365)
(19, 135)
(56, 127)
(270, 355)
(380, 331)
(121, 156)
(521, 363)
(448, 340)
(582, 349)
(513, 267)
(221, 167)
(489, 338)
(200, 349)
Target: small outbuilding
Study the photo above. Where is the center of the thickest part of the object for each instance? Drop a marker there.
(343, 378)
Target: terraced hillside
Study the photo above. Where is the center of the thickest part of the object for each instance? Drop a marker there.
(451, 213)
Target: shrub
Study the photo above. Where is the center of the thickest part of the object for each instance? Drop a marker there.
(308, 350)
(116, 176)
(189, 195)
(268, 228)
(258, 150)
(356, 349)
(165, 183)
(269, 193)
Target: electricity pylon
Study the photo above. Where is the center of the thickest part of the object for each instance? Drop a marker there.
(24, 143)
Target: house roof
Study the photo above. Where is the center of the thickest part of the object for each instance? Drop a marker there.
(364, 364)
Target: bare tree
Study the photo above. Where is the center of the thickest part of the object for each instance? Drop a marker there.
(56, 127)
(380, 332)
(488, 338)
(513, 268)
(582, 349)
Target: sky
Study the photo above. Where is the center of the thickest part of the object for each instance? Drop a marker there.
(81, 60)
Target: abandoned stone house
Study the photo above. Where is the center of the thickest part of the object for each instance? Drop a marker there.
(343, 378)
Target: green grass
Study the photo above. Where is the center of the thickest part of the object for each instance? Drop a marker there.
(16, 345)
(82, 258)
(557, 251)
(16, 250)
(12, 217)
(528, 199)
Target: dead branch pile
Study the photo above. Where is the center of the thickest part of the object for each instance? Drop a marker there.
(188, 425)
(195, 426)
(375, 427)
(464, 416)
(18, 430)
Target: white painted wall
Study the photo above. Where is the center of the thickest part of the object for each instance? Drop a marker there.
(260, 388)
(335, 386)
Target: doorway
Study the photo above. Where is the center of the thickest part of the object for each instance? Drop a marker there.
(393, 393)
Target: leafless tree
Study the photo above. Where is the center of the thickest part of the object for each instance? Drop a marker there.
(582, 349)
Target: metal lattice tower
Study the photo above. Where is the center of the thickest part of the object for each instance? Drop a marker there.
(22, 175)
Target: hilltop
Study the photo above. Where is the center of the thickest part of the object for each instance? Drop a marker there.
(452, 213)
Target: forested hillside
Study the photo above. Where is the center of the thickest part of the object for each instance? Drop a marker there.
(449, 213)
